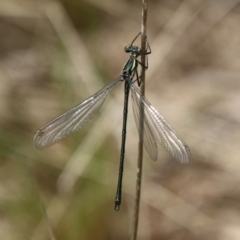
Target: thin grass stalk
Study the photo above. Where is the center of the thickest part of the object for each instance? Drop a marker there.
(141, 120)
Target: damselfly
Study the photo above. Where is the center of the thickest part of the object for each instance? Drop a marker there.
(155, 131)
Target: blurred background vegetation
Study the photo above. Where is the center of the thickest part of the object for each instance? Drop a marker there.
(54, 54)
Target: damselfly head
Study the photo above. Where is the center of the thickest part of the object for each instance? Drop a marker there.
(132, 49)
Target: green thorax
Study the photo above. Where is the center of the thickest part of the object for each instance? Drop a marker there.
(131, 65)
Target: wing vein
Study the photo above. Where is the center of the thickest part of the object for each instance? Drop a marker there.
(157, 130)
(72, 120)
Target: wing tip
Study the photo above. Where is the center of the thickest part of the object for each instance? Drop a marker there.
(36, 139)
(187, 155)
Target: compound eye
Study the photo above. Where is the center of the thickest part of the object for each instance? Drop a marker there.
(126, 49)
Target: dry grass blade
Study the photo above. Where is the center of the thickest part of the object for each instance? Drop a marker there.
(141, 116)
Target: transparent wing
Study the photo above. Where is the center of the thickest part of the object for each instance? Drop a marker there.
(72, 120)
(157, 130)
